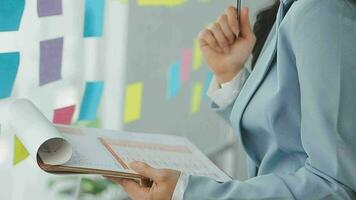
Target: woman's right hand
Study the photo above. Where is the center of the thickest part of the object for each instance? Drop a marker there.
(226, 45)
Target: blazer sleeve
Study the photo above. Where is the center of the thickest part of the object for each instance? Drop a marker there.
(321, 40)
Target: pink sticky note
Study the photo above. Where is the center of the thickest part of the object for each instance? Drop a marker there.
(64, 115)
(186, 65)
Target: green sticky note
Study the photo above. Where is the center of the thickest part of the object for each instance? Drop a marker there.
(88, 124)
(20, 152)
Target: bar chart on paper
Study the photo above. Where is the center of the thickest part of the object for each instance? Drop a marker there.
(181, 156)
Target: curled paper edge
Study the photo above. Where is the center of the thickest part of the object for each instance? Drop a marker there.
(38, 134)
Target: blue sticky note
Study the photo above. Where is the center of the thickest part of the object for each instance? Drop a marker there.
(9, 64)
(91, 100)
(174, 83)
(208, 78)
(11, 14)
(94, 18)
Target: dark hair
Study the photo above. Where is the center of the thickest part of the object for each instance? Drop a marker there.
(264, 23)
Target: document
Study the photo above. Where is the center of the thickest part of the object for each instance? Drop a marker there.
(62, 149)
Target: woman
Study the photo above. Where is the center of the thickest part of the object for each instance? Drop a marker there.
(295, 112)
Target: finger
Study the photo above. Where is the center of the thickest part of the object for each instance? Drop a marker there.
(134, 190)
(114, 179)
(231, 14)
(206, 37)
(224, 24)
(246, 29)
(145, 170)
(220, 37)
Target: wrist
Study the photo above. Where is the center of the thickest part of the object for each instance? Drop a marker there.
(226, 77)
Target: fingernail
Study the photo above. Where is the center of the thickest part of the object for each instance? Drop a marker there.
(237, 34)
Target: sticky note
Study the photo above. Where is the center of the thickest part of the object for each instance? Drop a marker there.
(207, 81)
(197, 55)
(91, 100)
(196, 98)
(186, 65)
(174, 85)
(11, 14)
(20, 152)
(64, 115)
(167, 3)
(133, 102)
(94, 18)
(47, 8)
(51, 52)
(9, 64)
(89, 124)
(123, 1)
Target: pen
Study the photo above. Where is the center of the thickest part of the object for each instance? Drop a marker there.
(238, 9)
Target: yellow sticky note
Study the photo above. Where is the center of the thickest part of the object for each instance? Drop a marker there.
(133, 102)
(168, 3)
(197, 55)
(196, 98)
(20, 152)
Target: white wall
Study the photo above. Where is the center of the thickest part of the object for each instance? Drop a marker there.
(84, 59)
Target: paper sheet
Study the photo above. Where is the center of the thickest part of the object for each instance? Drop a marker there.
(114, 150)
(98, 151)
(38, 134)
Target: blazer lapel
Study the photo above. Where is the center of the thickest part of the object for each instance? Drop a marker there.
(262, 67)
(253, 82)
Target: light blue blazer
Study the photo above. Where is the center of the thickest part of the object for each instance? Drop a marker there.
(296, 114)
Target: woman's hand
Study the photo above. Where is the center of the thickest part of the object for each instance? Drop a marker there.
(164, 183)
(226, 45)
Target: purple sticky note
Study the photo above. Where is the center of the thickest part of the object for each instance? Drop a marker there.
(47, 8)
(186, 65)
(51, 60)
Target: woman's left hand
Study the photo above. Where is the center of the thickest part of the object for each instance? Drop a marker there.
(164, 183)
